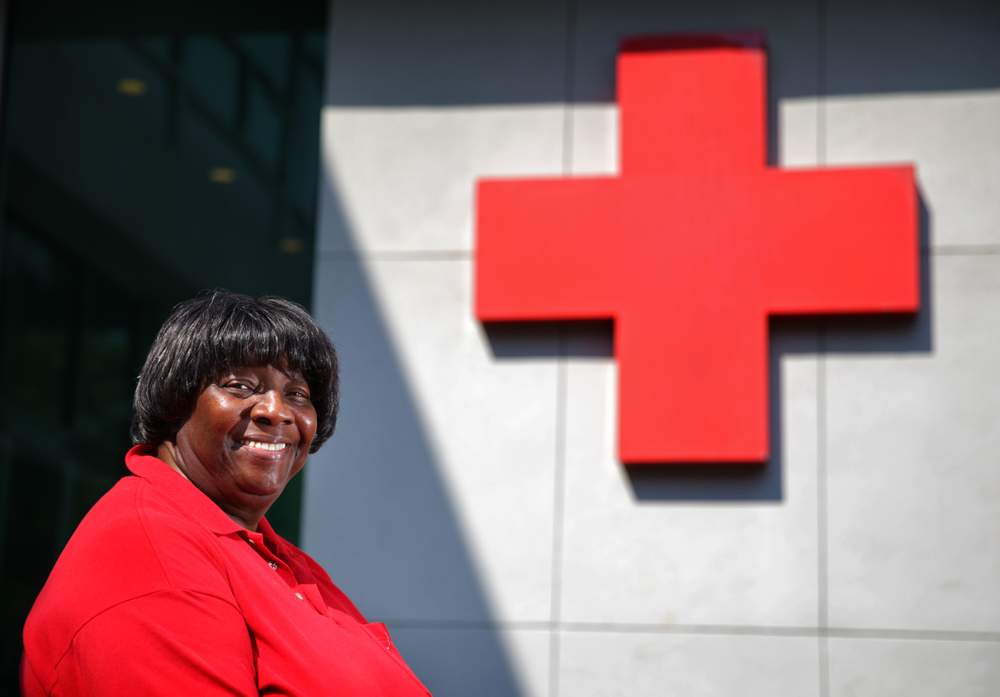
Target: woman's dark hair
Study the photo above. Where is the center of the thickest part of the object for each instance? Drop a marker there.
(217, 331)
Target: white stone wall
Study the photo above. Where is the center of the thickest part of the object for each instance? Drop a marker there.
(471, 497)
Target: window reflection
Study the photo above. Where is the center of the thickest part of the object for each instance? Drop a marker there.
(145, 158)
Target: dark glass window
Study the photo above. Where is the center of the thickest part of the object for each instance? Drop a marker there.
(150, 150)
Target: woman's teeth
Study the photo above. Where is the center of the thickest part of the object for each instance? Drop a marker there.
(264, 446)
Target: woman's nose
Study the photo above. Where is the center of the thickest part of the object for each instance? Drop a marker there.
(271, 408)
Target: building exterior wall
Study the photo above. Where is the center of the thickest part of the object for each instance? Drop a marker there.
(471, 497)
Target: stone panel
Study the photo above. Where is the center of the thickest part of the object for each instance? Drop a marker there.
(483, 661)
(913, 477)
(673, 547)
(913, 668)
(610, 664)
(403, 179)
(433, 501)
(953, 140)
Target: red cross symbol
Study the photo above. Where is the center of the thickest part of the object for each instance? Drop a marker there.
(694, 246)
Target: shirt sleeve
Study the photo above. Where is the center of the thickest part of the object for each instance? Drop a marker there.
(165, 643)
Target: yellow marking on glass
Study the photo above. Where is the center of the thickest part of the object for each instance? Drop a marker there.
(291, 245)
(131, 87)
(222, 175)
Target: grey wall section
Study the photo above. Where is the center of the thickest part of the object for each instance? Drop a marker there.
(471, 497)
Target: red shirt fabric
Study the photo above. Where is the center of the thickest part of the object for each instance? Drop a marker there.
(159, 592)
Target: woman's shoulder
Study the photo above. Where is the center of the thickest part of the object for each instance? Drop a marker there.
(136, 536)
(132, 543)
(134, 560)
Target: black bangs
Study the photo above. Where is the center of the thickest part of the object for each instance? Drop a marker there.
(217, 332)
(254, 335)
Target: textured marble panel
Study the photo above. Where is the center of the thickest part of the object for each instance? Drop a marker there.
(607, 664)
(403, 179)
(798, 132)
(491, 662)
(951, 137)
(595, 141)
(434, 498)
(913, 668)
(675, 547)
(912, 435)
(422, 100)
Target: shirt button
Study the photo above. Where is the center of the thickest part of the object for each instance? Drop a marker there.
(273, 565)
(300, 596)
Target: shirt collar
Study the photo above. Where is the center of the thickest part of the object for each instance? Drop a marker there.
(182, 492)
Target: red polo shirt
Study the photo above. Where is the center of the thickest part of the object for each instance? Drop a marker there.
(159, 592)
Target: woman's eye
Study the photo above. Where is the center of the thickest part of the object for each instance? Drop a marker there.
(239, 387)
(299, 395)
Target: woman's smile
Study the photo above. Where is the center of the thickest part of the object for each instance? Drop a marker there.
(258, 445)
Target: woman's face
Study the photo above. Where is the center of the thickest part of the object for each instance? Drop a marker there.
(248, 435)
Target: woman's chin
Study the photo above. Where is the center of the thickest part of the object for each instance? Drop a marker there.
(263, 484)
(264, 479)
(263, 474)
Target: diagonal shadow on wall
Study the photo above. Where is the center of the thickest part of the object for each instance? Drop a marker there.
(960, 54)
(377, 511)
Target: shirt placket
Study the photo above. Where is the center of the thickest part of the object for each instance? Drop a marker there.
(301, 591)
(310, 592)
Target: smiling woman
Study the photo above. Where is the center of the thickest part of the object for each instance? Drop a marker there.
(238, 370)
(249, 434)
(175, 583)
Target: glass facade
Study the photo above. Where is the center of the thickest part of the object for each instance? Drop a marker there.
(149, 151)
